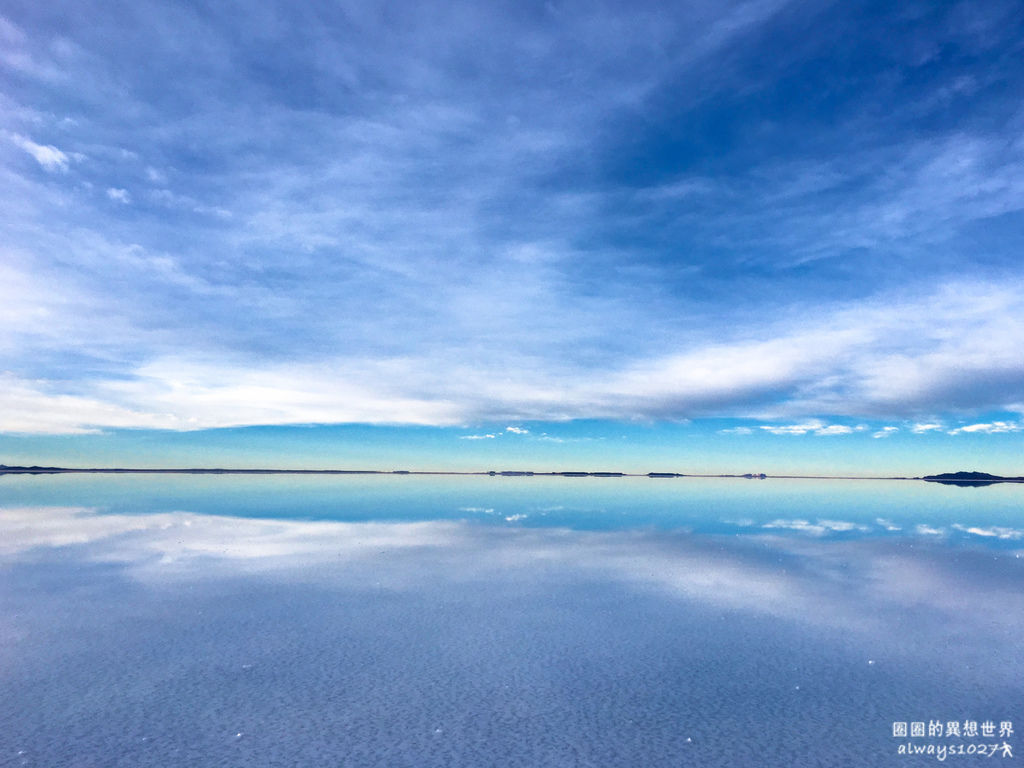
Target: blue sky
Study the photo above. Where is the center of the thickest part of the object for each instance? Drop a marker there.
(713, 227)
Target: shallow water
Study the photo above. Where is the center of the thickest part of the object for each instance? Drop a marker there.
(475, 621)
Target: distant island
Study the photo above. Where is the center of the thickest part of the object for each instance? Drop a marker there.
(970, 479)
(963, 479)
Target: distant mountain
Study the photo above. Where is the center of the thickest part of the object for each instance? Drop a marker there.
(970, 479)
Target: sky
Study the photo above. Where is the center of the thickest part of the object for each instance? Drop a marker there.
(738, 235)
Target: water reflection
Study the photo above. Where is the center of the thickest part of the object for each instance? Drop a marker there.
(856, 584)
(173, 636)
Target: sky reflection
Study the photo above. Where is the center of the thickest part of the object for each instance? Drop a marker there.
(783, 569)
(159, 636)
(824, 508)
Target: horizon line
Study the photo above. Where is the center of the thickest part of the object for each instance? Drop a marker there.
(36, 469)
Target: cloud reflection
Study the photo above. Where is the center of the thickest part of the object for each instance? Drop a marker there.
(861, 584)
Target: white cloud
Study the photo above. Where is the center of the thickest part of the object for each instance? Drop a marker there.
(795, 429)
(870, 360)
(815, 426)
(886, 432)
(736, 431)
(477, 437)
(818, 528)
(517, 430)
(166, 396)
(921, 428)
(25, 407)
(834, 429)
(119, 195)
(47, 155)
(828, 367)
(995, 531)
(989, 428)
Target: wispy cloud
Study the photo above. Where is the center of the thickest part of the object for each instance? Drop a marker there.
(47, 155)
(600, 214)
(991, 532)
(834, 429)
(794, 429)
(817, 528)
(829, 369)
(989, 428)
(119, 195)
(815, 426)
